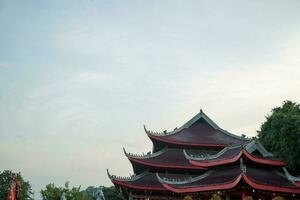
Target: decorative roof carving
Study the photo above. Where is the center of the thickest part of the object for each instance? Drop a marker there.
(202, 157)
(145, 156)
(131, 178)
(184, 180)
(256, 145)
(230, 154)
(290, 177)
(249, 146)
(226, 178)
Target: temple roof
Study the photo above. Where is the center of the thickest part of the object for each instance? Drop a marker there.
(198, 131)
(146, 180)
(228, 178)
(231, 154)
(201, 159)
(218, 179)
(167, 158)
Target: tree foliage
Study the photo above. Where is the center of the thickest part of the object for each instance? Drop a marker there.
(52, 192)
(111, 193)
(280, 133)
(6, 180)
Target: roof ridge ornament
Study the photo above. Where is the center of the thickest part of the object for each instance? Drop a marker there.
(201, 157)
(108, 174)
(290, 177)
(254, 144)
(180, 181)
(125, 152)
(130, 178)
(155, 133)
(144, 156)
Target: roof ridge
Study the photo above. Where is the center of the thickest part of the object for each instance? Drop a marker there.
(255, 144)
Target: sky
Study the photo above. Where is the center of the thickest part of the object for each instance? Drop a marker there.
(79, 79)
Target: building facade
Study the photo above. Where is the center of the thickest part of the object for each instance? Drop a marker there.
(200, 160)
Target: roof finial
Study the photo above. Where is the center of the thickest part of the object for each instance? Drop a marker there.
(108, 174)
(146, 131)
(201, 111)
(124, 150)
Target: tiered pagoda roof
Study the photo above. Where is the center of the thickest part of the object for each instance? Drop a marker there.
(200, 131)
(165, 158)
(231, 154)
(201, 157)
(219, 179)
(228, 178)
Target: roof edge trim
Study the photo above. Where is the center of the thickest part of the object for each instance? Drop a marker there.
(185, 143)
(201, 157)
(165, 165)
(131, 178)
(145, 156)
(258, 186)
(185, 180)
(224, 186)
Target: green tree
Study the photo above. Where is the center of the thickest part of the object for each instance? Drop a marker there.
(52, 192)
(111, 193)
(280, 133)
(6, 180)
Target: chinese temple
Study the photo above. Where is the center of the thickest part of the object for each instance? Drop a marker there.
(200, 160)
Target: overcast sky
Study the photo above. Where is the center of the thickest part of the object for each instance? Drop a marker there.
(78, 79)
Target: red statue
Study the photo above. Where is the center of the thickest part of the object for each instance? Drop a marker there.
(14, 189)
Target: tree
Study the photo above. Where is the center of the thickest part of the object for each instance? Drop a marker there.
(52, 192)
(111, 193)
(6, 180)
(280, 133)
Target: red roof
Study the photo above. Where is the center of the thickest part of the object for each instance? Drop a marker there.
(199, 159)
(232, 155)
(167, 158)
(222, 179)
(146, 181)
(199, 131)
